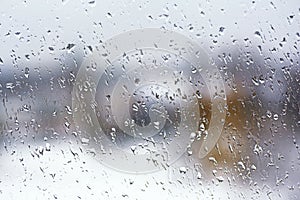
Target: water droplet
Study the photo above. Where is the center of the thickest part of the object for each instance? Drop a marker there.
(221, 29)
(26, 73)
(220, 178)
(68, 109)
(182, 170)
(70, 46)
(194, 70)
(27, 56)
(85, 140)
(109, 15)
(67, 124)
(48, 147)
(253, 167)
(189, 152)
(133, 149)
(92, 3)
(212, 159)
(241, 164)
(135, 107)
(257, 149)
(199, 175)
(269, 114)
(202, 127)
(257, 33)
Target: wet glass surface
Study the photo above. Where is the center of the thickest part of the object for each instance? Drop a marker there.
(143, 100)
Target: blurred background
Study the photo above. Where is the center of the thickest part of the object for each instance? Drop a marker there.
(254, 44)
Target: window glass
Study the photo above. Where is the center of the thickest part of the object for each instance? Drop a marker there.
(149, 99)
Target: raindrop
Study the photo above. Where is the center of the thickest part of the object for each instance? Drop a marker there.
(67, 124)
(92, 3)
(269, 114)
(70, 46)
(221, 29)
(241, 164)
(194, 70)
(85, 140)
(199, 175)
(47, 148)
(26, 73)
(253, 167)
(257, 149)
(182, 170)
(135, 107)
(27, 57)
(220, 178)
(212, 159)
(68, 109)
(133, 149)
(109, 15)
(202, 127)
